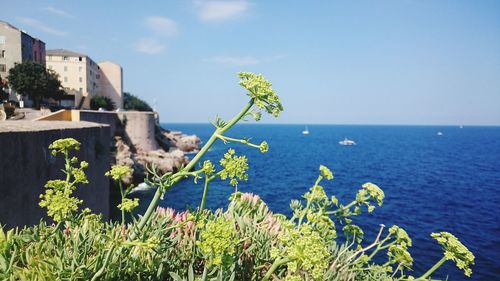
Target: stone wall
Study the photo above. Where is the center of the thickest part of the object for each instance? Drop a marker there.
(26, 164)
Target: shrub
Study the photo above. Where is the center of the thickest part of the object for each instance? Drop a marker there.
(9, 109)
(131, 102)
(246, 241)
(102, 102)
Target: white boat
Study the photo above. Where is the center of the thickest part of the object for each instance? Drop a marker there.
(347, 141)
(439, 133)
(306, 131)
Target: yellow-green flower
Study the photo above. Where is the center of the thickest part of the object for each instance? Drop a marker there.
(64, 146)
(119, 172)
(306, 250)
(208, 168)
(218, 242)
(235, 167)
(264, 147)
(456, 251)
(325, 172)
(128, 205)
(261, 91)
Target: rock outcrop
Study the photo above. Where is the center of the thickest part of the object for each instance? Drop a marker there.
(169, 158)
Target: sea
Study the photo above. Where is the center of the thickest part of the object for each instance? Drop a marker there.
(432, 182)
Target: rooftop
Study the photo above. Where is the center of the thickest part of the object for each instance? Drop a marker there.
(18, 29)
(64, 52)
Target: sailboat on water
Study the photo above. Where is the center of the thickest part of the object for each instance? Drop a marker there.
(306, 131)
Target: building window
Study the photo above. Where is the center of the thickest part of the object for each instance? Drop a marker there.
(2, 39)
(81, 90)
(98, 76)
(80, 59)
(2, 54)
(50, 66)
(50, 57)
(65, 58)
(65, 79)
(81, 79)
(80, 68)
(3, 68)
(65, 68)
(91, 73)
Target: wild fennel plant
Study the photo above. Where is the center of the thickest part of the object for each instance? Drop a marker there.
(247, 241)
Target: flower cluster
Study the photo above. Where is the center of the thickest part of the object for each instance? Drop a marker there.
(208, 168)
(325, 172)
(398, 251)
(58, 201)
(128, 204)
(119, 172)
(64, 146)
(369, 192)
(58, 194)
(264, 147)
(261, 91)
(218, 242)
(305, 249)
(235, 167)
(456, 251)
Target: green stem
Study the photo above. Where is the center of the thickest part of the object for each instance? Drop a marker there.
(346, 207)
(242, 141)
(156, 199)
(277, 263)
(106, 261)
(204, 198)
(123, 197)
(432, 269)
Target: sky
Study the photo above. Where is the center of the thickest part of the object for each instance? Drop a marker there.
(331, 62)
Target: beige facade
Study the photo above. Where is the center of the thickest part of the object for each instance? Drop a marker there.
(84, 78)
(111, 82)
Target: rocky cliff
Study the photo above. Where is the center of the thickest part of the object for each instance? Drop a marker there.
(168, 158)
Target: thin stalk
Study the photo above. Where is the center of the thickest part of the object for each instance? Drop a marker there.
(123, 197)
(104, 265)
(432, 269)
(242, 141)
(346, 207)
(205, 191)
(156, 199)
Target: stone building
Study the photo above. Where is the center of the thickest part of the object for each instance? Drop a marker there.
(17, 46)
(83, 78)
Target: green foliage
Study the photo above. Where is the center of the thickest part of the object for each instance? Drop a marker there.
(132, 102)
(3, 94)
(35, 81)
(102, 102)
(246, 241)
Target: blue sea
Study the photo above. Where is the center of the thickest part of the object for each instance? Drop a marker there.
(432, 183)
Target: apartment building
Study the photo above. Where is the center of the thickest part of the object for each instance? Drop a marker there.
(17, 46)
(83, 78)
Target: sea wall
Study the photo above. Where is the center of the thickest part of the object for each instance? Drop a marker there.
(27, 164)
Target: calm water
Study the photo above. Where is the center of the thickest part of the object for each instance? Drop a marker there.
(432, 183)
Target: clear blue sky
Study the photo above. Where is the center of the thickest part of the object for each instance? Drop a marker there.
(340, 62)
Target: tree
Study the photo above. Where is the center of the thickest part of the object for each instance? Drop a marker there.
(131, 102)
(35, 81)
(101, 101)
(3, 94)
